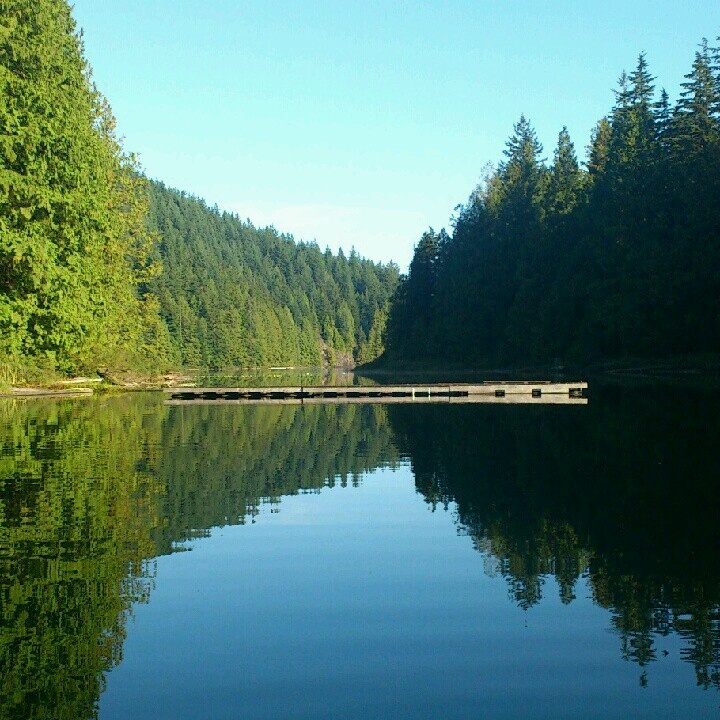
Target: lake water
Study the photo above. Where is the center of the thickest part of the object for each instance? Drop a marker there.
(361, 561)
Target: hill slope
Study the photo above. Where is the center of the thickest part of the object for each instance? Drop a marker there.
(235, 295)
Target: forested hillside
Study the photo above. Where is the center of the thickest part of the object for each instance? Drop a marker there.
(565, 264)
(101, 268)
(235, 295)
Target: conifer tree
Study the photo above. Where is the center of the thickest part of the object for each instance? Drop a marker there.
(522, 176)
(633, 131)
(662, 118)
(565, 178)
(599, 148)
(73, 248)
(695, 122)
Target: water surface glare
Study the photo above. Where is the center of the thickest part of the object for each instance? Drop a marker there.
(360, 561)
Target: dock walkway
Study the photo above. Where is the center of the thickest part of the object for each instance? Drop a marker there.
(537, 391)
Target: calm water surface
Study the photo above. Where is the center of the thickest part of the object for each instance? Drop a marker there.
(361, 561)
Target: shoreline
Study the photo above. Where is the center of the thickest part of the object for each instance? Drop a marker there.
(645, 367)
(101, 385)
(619, 370)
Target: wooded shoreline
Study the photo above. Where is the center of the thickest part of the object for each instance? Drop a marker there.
(631, 370)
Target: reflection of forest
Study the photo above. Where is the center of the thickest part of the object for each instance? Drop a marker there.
(625, 492)
(77, 506)
(221, 462)
(91, 490)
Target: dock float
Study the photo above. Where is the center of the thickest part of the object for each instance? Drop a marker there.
(486, 392)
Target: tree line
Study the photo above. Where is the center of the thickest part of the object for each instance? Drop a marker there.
(100, 267)
(565, 264)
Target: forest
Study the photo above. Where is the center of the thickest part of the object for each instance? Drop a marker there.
(563, 264)
(102, 268)
(568, 264)
(234, 295)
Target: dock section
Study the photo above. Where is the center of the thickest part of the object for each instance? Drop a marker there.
(488, 392)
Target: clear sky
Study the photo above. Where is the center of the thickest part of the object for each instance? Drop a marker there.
(362, 123)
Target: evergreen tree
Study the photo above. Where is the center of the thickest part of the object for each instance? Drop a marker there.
(599, 148)
(74, 254)
(695, 122)
(565, 178)
(422, 272)
(662, 119)
(632, 145)
(521, 177)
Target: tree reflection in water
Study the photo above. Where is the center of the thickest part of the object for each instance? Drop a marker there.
(92, 490)
(622, 493)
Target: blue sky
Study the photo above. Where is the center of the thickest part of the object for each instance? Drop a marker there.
(363, 123)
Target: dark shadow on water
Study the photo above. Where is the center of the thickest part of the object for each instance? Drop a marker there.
(625, 492)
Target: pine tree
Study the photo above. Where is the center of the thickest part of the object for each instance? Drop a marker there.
(632, 147)
(663, 118)
(599, 149)
(522, 177)
(695, 124)
(565, 178)
(421, 277)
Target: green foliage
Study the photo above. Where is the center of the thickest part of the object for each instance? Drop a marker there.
(79, 261)
(77, 511)
(73, 247)
(235, 295)
(564, 265)
(565, 181)
(521, 180)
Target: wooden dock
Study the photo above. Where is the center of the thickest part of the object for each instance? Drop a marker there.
(487, 392)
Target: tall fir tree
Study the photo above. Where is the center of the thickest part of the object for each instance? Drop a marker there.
(565, 180)
(522, 177)
(696, 125)
(73, 246)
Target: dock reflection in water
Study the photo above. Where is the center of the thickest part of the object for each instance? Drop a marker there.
(346, 595)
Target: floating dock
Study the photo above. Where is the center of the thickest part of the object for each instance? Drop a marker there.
(487, 392)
